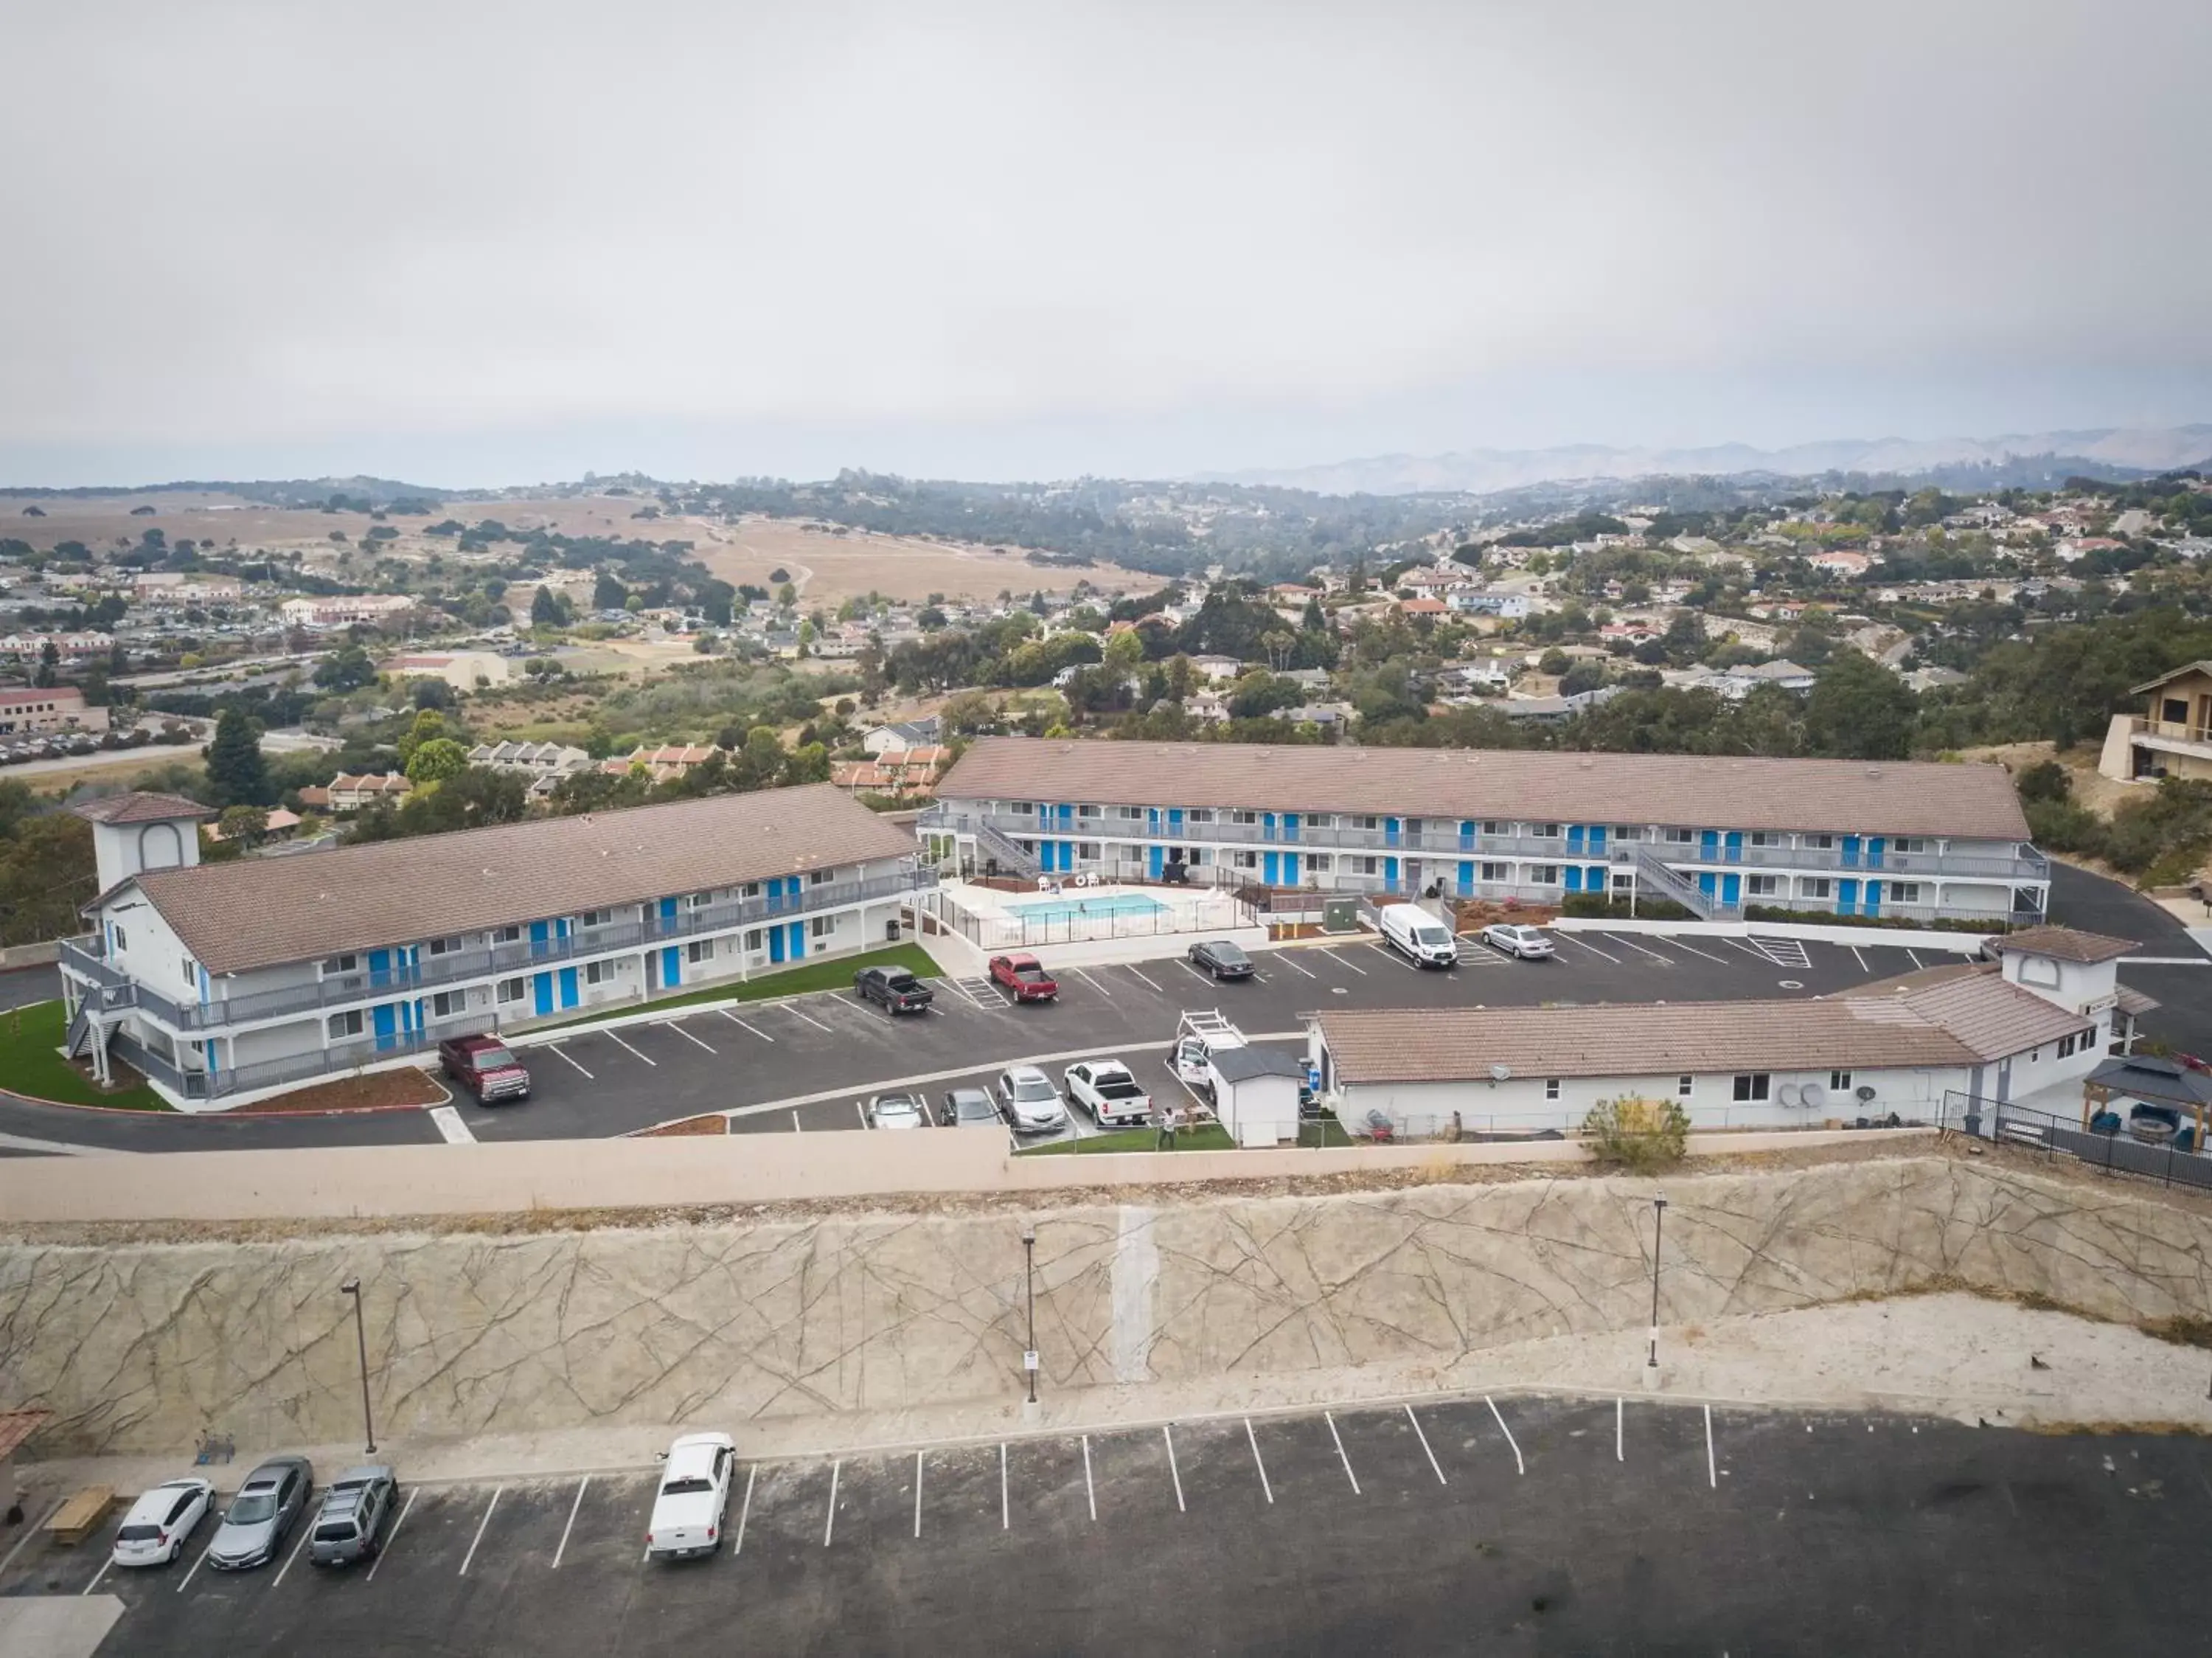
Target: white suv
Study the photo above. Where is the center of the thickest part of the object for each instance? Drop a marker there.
(1527, 942)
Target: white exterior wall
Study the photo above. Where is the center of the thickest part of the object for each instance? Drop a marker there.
(1260, 1110)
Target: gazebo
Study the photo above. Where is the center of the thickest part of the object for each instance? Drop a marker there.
(2152, 1080)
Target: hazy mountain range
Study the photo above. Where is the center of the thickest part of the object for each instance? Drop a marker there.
(1478, 471)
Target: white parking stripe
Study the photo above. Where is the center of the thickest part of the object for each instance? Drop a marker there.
(1583, 944)
(626, 1048)
(1192, 971)
(196, 1565)
(480, 1524)
(391, 1537)
(1285, 961)
(1174, 1473)
(1680, 944)
(1341, 962)
(745, 1510)
(1424, 1438)
(1620, 938)
(816, 1023)
(1519, 1464)
(97, 1576)
(1093, 983)
(741, 1026)
(1329, 1418)
(917, 1493)
(1619, 1451)
(1256, 1463)
(451, 1129)
(1090, 1491)
(796, 1127)
(307, 1531)
(562, 1548)
(861, 1111)
(1854, 949)
(1140, 978)
(35, 1530)
(1916, 963)
(556, 1047)
(671, 1025)
(1006, 1514)
(830, 1526)
(1712, 1474)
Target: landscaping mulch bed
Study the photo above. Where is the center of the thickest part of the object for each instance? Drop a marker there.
(713, 1122)
(381, 1090)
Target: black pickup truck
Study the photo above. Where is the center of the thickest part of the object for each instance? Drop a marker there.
(899, 990)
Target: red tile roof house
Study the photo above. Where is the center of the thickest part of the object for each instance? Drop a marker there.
(1424, 607)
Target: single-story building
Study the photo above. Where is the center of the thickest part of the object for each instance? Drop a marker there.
(1255, 1093)
(49, 708)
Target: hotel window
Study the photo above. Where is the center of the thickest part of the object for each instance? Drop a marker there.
(1763, 885)
(1551, 1088)
(1366, 822)
(345, 1024)
(1545, 830)
(444, 945)
(599, 973)
(1752, 1087)
(1090, 811)
(1200, 815)
(1130, 814)
(754, 941)
(1243, 817)
(1628, 831)
(1495, 826)
(1904, 891)
(1678, 837)
(2067, 1047)
(1839, 1082)
(750, 889)
(115, 930)
(822, 926)
(698, 900)
(191, 970)
(1685, 1085)
(1909, 843)
(1494, 872)
(1245, 860)
(1819, 842)
(1544, 874)
(506, 936)
(699, 950)
(1319, 862)
(1319, 821)
(592, 918)
(1763, 838)
(1366, 866)
(336, 964)
(448, 1004)
(1088, 850)
(819, 877)
(1813, 886)
(1624, 883)
(512, 990)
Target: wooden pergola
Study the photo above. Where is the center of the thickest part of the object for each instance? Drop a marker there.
(2151, 1080)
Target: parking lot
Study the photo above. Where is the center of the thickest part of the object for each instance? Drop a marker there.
(1531, 1524)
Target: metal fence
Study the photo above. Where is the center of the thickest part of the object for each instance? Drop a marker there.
(2116, 1153)
(1070, 924)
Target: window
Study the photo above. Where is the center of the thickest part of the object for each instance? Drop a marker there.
(1909, 843)
(1624, 883)
(1200, 815)
(1087, 849)
(1551, 1088)
(1545, 830)
(1819, 842)
(1544, 874)
(698, 900)
(1839, 1082)
(345, 1024)
(1684, 1085)
(1752, 1087)
(750, 889)
(2068, 1046)
(444, 945)
(512, 990)
(1130, 814)
(1763, 885)
(1628, 831)
(822, 926)
(1245, 860)
(699, 950)
(506, 936)
(191, 972)
(1320, 862)
(336, 964)
(592, 918)
(1495, 826)
(1814, 887)
(1904, 891)
(115, 930)
(448, 1004)
(1763, 838)
(599, 973)
(1367, 823)
(1495, 872)
(819, 877)
(1022, 807)
(1366, 866)
(1090, 811)
(755, 941)
(1678, 837)
(1319, 821)
(1243, 817)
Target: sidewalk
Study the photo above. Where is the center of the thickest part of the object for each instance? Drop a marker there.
(1952, 1355)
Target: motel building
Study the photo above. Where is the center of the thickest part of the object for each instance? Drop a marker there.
(226, 980)
(1714, 833)
(2026, 1031)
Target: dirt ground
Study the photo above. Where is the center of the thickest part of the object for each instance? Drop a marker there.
(2097, 792)
(830, 569)
(374, 1091)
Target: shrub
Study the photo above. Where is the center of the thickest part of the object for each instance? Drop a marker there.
(2046, 780)
(1599, 906)
(1637, 1134)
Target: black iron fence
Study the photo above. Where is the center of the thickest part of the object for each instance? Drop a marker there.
(2170, 1160)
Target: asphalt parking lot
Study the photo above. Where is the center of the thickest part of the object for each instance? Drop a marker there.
(1514, 1524)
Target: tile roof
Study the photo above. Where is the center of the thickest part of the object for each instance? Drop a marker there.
(16, 1426)
(1989, 1016)
(139, 807)
(2064, 944)
(1890, 797)
(2201, 666)
(234, 917)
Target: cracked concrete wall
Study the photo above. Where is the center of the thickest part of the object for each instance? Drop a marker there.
(140, 1347)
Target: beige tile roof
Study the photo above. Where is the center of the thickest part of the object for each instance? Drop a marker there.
(261, 911)
(1890, 797)
(2064, 944)
(1990, 1016)
(139, 807)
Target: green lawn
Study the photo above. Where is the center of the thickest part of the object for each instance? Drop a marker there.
(1327, 1132)
(31, 1063)
(1206, 1137)
(834, 973)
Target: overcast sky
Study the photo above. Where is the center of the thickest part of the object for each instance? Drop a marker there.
(466, 243)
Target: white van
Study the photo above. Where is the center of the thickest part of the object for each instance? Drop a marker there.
(1419, 935)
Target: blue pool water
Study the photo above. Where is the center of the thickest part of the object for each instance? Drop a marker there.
(1073, 909)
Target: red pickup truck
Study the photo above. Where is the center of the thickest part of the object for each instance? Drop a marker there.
(1024, 978)
(485, 1066)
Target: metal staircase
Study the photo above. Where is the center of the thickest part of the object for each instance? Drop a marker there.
(92, 1023)
(1010, 858)
(1652, 875)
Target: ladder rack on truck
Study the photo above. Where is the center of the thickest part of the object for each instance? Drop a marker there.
(1200, 1034)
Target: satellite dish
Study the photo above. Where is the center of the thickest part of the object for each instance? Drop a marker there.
(1501, 1073)
(1865, 1093)
(1812, 1096)
(1787, 1093)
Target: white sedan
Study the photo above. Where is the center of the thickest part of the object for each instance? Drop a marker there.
(1032, 1103)
(159, 1523)
(694, 1497)
(1528, 943)
(895, 1110)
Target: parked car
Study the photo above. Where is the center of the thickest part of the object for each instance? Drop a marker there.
(1107, 1089)
(159, 1522)
(895, 988)
(896, 1111)
(263, 1513)
(1526, 943)
(1419, 936)
(1221, 958)
(1024, 977)
(1029, 1100)
(485, 1067)
(968, 1108)
(349, 1527)
(693, 1498)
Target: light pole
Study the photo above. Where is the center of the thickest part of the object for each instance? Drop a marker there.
(1658, 1225)
(1029, 1273)
(352, 1287)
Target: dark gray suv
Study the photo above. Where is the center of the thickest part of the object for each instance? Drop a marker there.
(262, 1515)
(355, 1508)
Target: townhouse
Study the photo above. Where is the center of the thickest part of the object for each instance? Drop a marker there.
(223, 978)
(2172, 737)
(1714, 833)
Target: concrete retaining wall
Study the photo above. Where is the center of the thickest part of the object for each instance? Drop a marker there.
(140, 1347)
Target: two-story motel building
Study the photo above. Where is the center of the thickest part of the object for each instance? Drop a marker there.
(217, 979)
(1714, 833)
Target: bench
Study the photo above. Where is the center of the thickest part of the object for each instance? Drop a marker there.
(78, 1518)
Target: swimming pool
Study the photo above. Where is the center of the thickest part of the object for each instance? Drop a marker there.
(1085, 909)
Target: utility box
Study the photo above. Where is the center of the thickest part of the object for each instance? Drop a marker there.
(1340, 915)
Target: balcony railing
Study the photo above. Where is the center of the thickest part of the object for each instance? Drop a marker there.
(522, 956)
(1441, 838)
(2180, 731)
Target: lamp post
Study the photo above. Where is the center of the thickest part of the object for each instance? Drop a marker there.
(1658, 1225)
(352, 1287)
(1029, 1273)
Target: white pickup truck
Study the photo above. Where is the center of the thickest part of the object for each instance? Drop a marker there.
(1107, 1089)
(694, 1497)
(1200, 1034)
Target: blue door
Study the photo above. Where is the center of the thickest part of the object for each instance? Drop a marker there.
(1873, 897)
(1597, 840)
(1706, 882)
(1847, 897)
(541, 939)
(1574, 843)
(1155, 857)
(1734, 846)
(672, 965)
(1290, 825)
(569, 997)
(1465, 879)
(1271, 868)
(1709, 845)
(1850, 853)
(1175, 822)
(1390, 871)
(1731, 890)
(379, 967)
(541, 991)
(1152, 819)
(1874, 856)
(386, 1017)
(1390, 827)
(1594, 878)
(1289, 868)
(668, 915)
(1467, 836)
(797, 948)
(1266, 825)
(1573, 877)
(775, 944)
(1068, 854)
(1067, 816)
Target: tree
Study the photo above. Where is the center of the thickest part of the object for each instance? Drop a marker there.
(1124, 655)
(428, 725)
(608, 591)
(236, 773)
(1554, 662)
(546, 609)
(436, 759)
(779, 576)
(347, 668)
(50, 662)
(1858, 710)
(1637, 1134)
(1314, 621)
(244, 825)
(433, 693)
(760, 762)
(786, 596)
